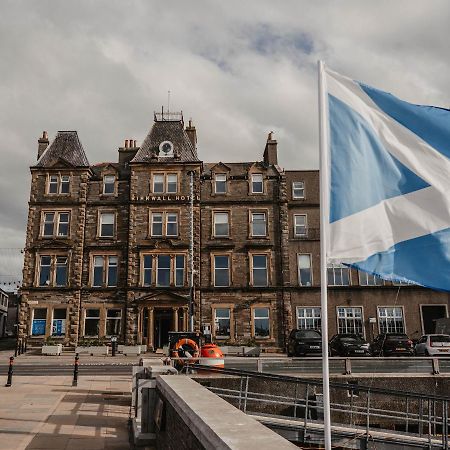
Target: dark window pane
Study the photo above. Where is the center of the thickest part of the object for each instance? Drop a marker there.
(221, 262)
(112, 276)
(40, 313)
(148, 270)
(61, 271)
(59, 313)
(163, 275)
(179, 270)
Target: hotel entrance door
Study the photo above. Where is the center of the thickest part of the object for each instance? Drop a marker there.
(163, 324)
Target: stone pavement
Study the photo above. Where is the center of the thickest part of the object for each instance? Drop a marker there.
(48, 413)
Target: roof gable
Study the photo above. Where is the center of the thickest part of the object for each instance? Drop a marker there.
(66, 149)
(161, 131)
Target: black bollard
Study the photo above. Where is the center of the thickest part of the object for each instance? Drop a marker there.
(25, 347)
(10, 372)
(16, 351)
(75, 371)
(22, 347)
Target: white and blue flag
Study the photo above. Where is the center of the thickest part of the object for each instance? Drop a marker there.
(389, 184)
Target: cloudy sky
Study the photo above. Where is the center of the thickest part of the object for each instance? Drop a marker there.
(239, 68)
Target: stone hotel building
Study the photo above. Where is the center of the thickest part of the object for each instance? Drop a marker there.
(108, 249)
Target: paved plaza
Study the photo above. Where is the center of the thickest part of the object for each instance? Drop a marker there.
(48, 413)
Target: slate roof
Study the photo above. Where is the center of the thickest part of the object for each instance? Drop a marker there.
(66, 147)
(161, 131)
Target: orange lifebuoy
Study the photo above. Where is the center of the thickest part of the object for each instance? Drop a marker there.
(181, 344)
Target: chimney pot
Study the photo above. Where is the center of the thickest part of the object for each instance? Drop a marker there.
(134, 143)
(126, 143)
(45, 135)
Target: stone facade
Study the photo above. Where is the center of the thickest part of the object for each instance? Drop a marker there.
(108, 249)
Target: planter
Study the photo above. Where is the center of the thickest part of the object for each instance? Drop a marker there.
(131, 350)
(54, 350)
(94, 350)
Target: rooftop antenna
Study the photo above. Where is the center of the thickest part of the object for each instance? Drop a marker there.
(168, 102)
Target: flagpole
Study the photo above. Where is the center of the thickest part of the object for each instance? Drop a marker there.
(324, 186)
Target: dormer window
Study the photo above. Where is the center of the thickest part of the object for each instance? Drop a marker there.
(220, 183)
(257, 185)
(58, 184)
(166, 149)
(109, 184)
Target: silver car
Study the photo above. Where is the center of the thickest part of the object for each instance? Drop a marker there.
(433, 345)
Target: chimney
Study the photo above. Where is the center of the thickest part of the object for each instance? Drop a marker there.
(42, 144)
(270, 152)
(128, 151)
(192, 134)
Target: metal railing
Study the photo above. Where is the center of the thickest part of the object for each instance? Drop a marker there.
(364, 410)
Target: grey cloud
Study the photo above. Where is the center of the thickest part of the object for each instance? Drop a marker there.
(239, 69)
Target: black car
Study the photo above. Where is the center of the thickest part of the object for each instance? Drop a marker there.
(389, 344)
(304, 342)
(348, 344)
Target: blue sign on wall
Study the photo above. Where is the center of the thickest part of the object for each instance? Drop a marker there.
(38, 327)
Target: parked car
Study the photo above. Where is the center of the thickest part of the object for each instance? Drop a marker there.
(389, 344)
(433, 345)
(348, 344)
(304, 342)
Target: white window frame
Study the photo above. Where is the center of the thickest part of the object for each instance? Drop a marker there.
(252, 221)
(217, 321)
(315, 318)
(116, 319)
(59, 222)
(159, 175)
(253, 268)
(55, 224)
(157, 268)
(255, 318)
(300, 187)
(347, 314)
(252, 183)
(216, 180)
(381, 317)
(101, 219)
(299, 269)
(368, 279)
(168, 175)
(59, 182)
(92, 318)
(167, 214)
(113, 177)
(340, 267)
(224, 213)
(303, 226)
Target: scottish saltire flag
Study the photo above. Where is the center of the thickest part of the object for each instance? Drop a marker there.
(389, 184)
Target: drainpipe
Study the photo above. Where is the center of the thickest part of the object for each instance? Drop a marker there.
(191, 252)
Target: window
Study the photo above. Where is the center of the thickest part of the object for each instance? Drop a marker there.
(350, 320)
(221, 270)
(179, 270)
(45, 270)
(157, 224)
(261, 322)
(304, 269)
(55, 221)
(338, 275)
(158, 183)
(53, 270)
(148, 263)
(220, 224)
(367, 279)
(309, 318)
(390, 319)
(257, 183)
(171, 224)
(165, 183)
(61, 270)
(222, 321)
(298, 189)
(92, 322)
(105, 271)
(58, 184)
(300, 225)
(113, 322)
(259, 270)
(167, 221)
(39, 322)
(172, 183)
(107, 224)
(109, 184)
(258, 224)
(163, 270)
(64, 186)
(59, 322)
(220, 183)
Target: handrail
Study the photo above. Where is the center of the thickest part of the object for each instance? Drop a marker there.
(334, 384)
